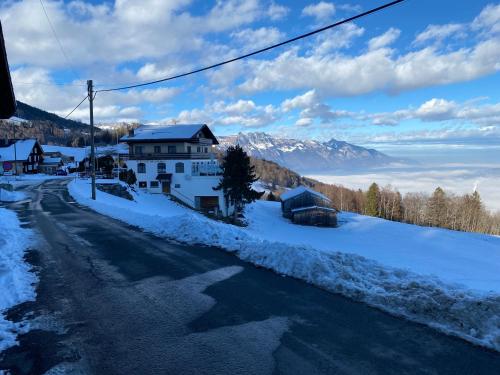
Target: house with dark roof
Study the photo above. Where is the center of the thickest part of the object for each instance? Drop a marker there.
(20, 156)
(306, 206)
(178, 160)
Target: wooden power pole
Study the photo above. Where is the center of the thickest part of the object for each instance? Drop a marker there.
(92, 145)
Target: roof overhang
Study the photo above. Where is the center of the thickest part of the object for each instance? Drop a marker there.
(164, 177)
(8, 104)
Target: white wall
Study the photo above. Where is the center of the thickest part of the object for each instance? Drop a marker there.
(184, 186)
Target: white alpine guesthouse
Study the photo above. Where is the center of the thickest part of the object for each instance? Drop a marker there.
(178, 160)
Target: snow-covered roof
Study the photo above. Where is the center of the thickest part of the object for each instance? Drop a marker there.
(78, 153)
(167, 132)
(314, 207)
(299, 190)
(21, 150)
(51, 160)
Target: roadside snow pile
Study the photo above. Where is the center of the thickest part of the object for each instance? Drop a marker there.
(11, 196)
(16, 279)
(409, 287)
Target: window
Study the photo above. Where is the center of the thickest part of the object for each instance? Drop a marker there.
(138, 150)
(141, 168)
(177, 186)
(172, 149)
(143, 184)
(161, 167)
(154, 184)
(206, 150)
(157, 149)
(179, 167)
(188, 149)
(198, 149)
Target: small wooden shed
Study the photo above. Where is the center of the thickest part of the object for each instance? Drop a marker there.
(308, 207)
(315, 215)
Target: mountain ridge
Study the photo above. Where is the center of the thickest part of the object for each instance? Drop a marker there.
(30, 113)
(307, 155)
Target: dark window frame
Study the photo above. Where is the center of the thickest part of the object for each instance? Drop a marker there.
(161, 170)
(179, 167)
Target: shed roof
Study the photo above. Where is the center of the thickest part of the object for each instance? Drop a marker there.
(300, 190)
(79, 153)
(23, 148)
(168, 132)
(313, 208)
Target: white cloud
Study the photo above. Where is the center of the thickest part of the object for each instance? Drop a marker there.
(126, 30)
(342, 75)
(440, 32)
(242, 113)
(321, 11)
(277, 11)
(312, 108)
(385, 39)
(488, 20)
(253, 39)
(338, 38)
(442, 110)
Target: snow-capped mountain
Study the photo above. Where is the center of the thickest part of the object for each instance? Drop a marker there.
(306, 155)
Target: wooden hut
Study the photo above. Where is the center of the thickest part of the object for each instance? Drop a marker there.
(319, 216)
(308, 207)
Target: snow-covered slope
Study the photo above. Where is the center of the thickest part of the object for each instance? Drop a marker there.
(447, 280)
(306, 155)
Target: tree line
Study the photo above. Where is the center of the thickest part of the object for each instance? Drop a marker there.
(439, 209)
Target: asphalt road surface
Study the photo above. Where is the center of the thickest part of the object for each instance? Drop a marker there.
(115, 300)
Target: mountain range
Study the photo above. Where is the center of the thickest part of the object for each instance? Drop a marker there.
(307, 156)
(303, 156)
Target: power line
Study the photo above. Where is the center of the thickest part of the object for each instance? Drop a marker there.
(58, 41)
(360, 15)
(74, 109)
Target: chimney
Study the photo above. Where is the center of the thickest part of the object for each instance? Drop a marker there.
(131, 132)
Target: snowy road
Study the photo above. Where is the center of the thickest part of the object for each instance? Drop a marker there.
(115, 300)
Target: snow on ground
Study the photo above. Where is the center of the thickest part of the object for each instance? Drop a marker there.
(11, 196)
(28, 179)
(438, 277)
(16, 279)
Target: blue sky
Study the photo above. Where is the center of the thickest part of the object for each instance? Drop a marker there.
(422, 72)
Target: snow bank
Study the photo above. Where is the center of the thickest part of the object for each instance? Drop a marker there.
(11, 196)
(448, 306)
(16, 279)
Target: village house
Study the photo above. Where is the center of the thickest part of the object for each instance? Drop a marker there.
(20, 156)
(50, 165)
(305, 206)
(178, 160)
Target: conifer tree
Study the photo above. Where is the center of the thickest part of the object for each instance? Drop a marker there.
(237, 179)
(436, 208)
(372, 200)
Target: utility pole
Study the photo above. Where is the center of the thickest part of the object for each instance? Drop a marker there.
(92, 146)
(15, 149)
